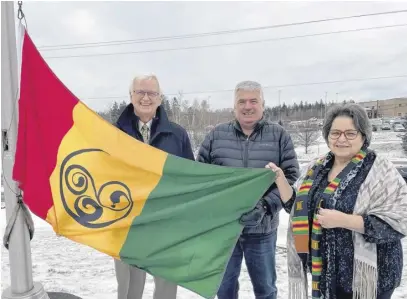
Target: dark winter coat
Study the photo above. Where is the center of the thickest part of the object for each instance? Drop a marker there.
(227, 145)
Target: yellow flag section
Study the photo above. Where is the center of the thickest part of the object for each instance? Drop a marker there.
(102, 176)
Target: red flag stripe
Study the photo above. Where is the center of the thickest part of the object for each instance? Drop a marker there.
(35, 140)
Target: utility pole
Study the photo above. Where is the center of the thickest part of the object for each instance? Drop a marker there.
(326, 103)
(279, 106)
(322, 111)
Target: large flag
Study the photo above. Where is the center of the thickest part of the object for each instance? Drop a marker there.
(175, 218)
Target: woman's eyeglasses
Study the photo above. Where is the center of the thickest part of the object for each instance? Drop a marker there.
(349, 134)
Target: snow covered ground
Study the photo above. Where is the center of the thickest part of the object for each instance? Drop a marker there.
(62, 265)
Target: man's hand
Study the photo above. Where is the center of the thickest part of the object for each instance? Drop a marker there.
(255, 216)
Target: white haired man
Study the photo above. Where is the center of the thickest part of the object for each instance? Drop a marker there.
(146, 120)
(252, 141)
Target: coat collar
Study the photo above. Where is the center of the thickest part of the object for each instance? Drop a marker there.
(257, 126)
(160, 124)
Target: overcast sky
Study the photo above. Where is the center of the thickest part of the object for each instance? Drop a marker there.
(356, 55)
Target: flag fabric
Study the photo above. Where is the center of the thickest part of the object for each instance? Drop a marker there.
(174, 218)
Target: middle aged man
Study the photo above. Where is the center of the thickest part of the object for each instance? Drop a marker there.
(145, 119)
(251, 141)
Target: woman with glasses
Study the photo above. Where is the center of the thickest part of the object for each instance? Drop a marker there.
(348, 214)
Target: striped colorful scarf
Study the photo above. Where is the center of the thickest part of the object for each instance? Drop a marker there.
(301, 220)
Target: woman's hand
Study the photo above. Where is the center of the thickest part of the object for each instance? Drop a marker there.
(332, 219)
(286, 191)
(280, 176)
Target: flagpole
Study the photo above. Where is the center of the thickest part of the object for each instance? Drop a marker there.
(22, 285)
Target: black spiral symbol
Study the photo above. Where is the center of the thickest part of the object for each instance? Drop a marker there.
(88, 207)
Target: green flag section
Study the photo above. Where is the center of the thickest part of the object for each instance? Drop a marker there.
(189, 237)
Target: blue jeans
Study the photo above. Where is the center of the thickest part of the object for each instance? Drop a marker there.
(260, 255)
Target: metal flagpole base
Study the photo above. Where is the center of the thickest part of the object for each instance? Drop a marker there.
(37, 292)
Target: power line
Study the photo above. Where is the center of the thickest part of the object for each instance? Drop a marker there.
(226, 44)
(266, 87)
(195, 35)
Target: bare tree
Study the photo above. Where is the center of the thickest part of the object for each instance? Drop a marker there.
(306, 135)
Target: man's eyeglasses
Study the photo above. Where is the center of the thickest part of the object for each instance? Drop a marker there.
(349, 134)
(150, 94)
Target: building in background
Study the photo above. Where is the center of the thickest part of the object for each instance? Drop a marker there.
(396, 107)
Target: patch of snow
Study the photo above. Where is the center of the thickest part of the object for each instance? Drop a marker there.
(65, 266)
